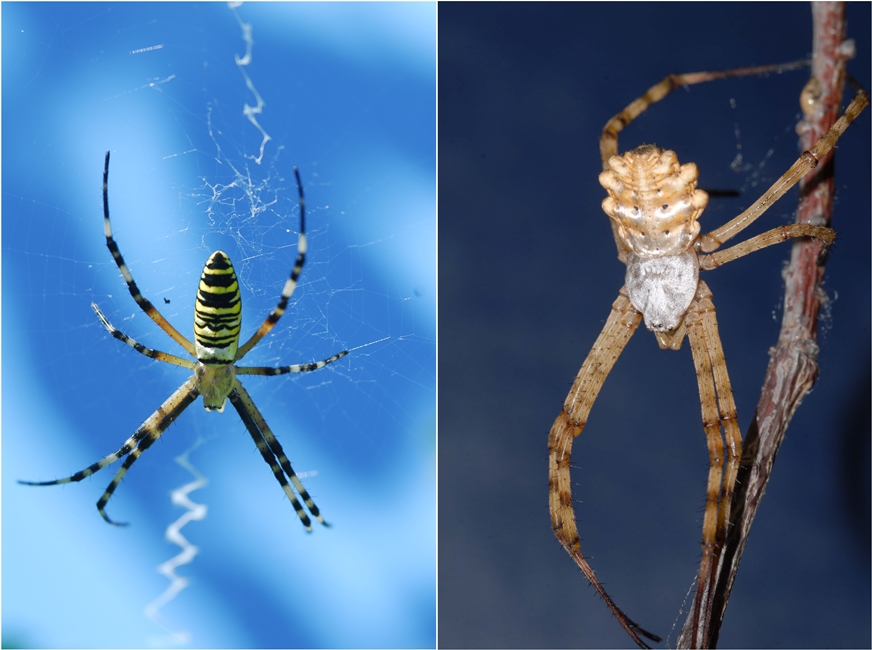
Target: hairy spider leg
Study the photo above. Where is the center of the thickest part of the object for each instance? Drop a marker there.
(622, 322)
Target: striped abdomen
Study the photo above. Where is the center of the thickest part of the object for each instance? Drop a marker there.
(218, 312)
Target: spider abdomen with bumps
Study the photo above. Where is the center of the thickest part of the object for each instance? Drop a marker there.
(653, 200)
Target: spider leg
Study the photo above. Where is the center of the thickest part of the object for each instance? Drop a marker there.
(726, 409)
(768, 238)
(622, 322)
(135, 445)
(806, 162)
(718, 408)
(712, 427)
(270, 449)
(299, 367)
(144, 304)
(609, 137)
(290, 285)
(154, 354)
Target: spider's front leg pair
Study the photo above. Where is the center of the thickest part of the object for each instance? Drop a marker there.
(718, 407)
(215, 352)
(654, 206)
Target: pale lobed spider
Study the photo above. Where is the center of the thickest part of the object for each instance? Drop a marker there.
(653, 203)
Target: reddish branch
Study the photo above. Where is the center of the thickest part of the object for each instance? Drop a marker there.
(793, 365)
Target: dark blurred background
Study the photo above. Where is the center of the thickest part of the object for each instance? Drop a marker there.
(527, 274)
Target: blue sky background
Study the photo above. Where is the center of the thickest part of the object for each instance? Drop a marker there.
(528, 271)
(349, 92)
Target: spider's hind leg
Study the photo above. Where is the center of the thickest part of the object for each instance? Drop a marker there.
(143, 302)
(609, 137)
(290, 284)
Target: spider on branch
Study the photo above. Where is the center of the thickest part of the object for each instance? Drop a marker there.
(654, 205)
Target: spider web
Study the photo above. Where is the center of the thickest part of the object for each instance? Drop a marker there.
(160, 87)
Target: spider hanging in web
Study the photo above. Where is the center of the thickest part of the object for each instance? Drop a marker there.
(216, 350)
(654, 204)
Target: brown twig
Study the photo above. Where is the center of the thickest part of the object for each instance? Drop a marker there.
(793, 366)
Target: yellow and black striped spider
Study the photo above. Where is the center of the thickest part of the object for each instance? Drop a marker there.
(217, 320)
